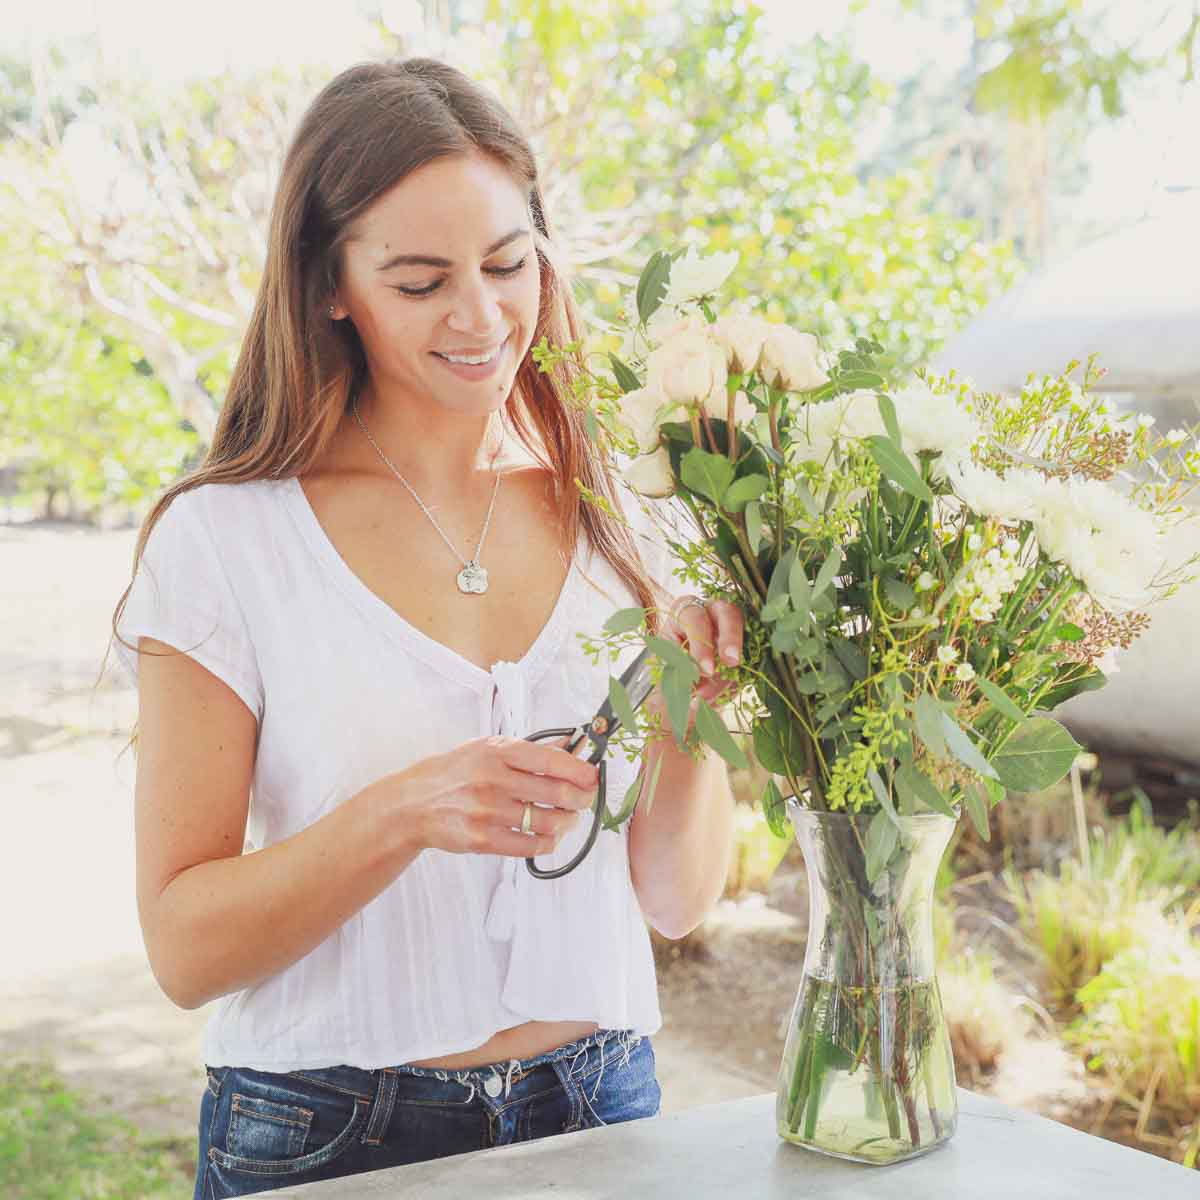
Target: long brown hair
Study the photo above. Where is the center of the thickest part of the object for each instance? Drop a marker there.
(297, 371)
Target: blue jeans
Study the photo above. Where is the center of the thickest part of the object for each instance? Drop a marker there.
(261, 1130)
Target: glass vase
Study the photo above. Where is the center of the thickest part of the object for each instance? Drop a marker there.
(867, 1071)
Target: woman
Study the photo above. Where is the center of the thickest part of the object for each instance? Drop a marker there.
(345, 626)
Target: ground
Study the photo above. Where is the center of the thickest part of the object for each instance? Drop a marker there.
(75, 985)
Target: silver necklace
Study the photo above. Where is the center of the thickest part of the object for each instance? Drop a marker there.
(473, 578)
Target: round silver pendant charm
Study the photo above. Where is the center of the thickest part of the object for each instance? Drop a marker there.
(473, 579)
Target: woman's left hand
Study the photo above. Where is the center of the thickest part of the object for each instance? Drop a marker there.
(708, 630)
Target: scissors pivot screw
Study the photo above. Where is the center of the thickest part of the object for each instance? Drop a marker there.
(600, 725)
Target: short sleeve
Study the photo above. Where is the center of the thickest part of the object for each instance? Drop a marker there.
(181, 595)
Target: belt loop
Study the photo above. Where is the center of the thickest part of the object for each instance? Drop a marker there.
(381, 1108)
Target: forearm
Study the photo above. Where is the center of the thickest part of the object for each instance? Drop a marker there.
(679, 851)
(227, 924)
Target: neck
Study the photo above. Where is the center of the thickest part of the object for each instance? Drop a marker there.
(432, 448)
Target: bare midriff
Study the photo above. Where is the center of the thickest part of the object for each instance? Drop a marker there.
(520, 1041)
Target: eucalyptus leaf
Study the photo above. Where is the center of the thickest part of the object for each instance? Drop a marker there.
(742, 491)
(850, 656)
(976, 805)
(964, 749)
(1000, 700)
(652, 786)
(652, 284)
(775, 810)
(677, 691)
(927, 714)
(622, 706)
(627, 381)
(624, 620)
(799, 588)
(887, 410)
(922, 789)
(1036, 756)
(673, 655)
(828, 571)
(613, 821)
(712, 729)
(882, 794)
(778, 585)
(898, 467)
(755, 528)
(882, 838)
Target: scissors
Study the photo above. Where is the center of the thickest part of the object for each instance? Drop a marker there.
(638, 685)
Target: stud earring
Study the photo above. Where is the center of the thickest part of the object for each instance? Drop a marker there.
(331, 312)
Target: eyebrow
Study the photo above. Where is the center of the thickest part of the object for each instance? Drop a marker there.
(425, 260)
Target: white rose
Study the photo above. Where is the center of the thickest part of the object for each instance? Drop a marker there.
(651, 474)
(687, 368)
(789, 360)
(696, 275)
(666, 323)
(645, 410)
(741, 336)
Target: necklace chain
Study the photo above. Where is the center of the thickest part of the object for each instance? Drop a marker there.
(395, 471)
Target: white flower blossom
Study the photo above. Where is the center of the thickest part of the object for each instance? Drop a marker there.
(935, 422)
(687, 367)
(695, 275)
(1176, 437)
(964, 672)
(741, 336)
(924, 581)
(947, 655)
(1114, 548)
(651, 474)
(790, 360)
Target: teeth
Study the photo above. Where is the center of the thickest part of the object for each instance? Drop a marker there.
(475, 362)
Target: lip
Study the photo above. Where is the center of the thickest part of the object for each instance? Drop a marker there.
(483, 370)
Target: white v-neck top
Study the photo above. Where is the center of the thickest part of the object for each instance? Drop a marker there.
(244, 579)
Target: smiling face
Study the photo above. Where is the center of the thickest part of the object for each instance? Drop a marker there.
(444, 264)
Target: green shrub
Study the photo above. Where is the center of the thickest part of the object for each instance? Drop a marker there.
(1141, 1029)
(54, 1146)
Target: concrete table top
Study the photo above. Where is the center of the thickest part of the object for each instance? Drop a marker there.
(731, 1150)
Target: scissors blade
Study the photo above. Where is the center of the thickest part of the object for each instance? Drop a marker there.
(637, 684)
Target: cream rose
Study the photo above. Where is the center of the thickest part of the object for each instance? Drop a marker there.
(651, 474)
(687, 368)
(644, 410)
(741, 336)
(789, 360)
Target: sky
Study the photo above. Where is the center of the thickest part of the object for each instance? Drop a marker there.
(1131, 161)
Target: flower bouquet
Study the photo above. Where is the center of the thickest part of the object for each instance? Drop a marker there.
(925, 571)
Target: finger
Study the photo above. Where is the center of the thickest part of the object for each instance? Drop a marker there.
(731, 628)
(521, 845)
(549, 791)
(548, 822)
(542, 758)
(697, 626)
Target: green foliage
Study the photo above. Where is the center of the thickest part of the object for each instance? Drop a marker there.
(1140, 1027)
(55, 1146)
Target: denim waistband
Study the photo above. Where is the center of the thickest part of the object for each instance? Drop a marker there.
(625, 1038)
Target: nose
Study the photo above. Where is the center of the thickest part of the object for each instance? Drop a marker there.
(476, 309)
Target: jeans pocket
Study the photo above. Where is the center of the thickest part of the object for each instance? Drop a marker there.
(272, 1128)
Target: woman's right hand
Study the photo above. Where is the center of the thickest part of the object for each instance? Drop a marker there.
(471, 799)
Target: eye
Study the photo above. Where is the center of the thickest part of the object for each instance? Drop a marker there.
(425, 291)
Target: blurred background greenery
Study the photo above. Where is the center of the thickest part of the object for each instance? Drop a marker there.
(886, 166)
(881, 166)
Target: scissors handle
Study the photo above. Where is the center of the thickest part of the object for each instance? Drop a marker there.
(576, 734)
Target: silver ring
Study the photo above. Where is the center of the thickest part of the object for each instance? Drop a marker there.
(527, 819)
(689, 600)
